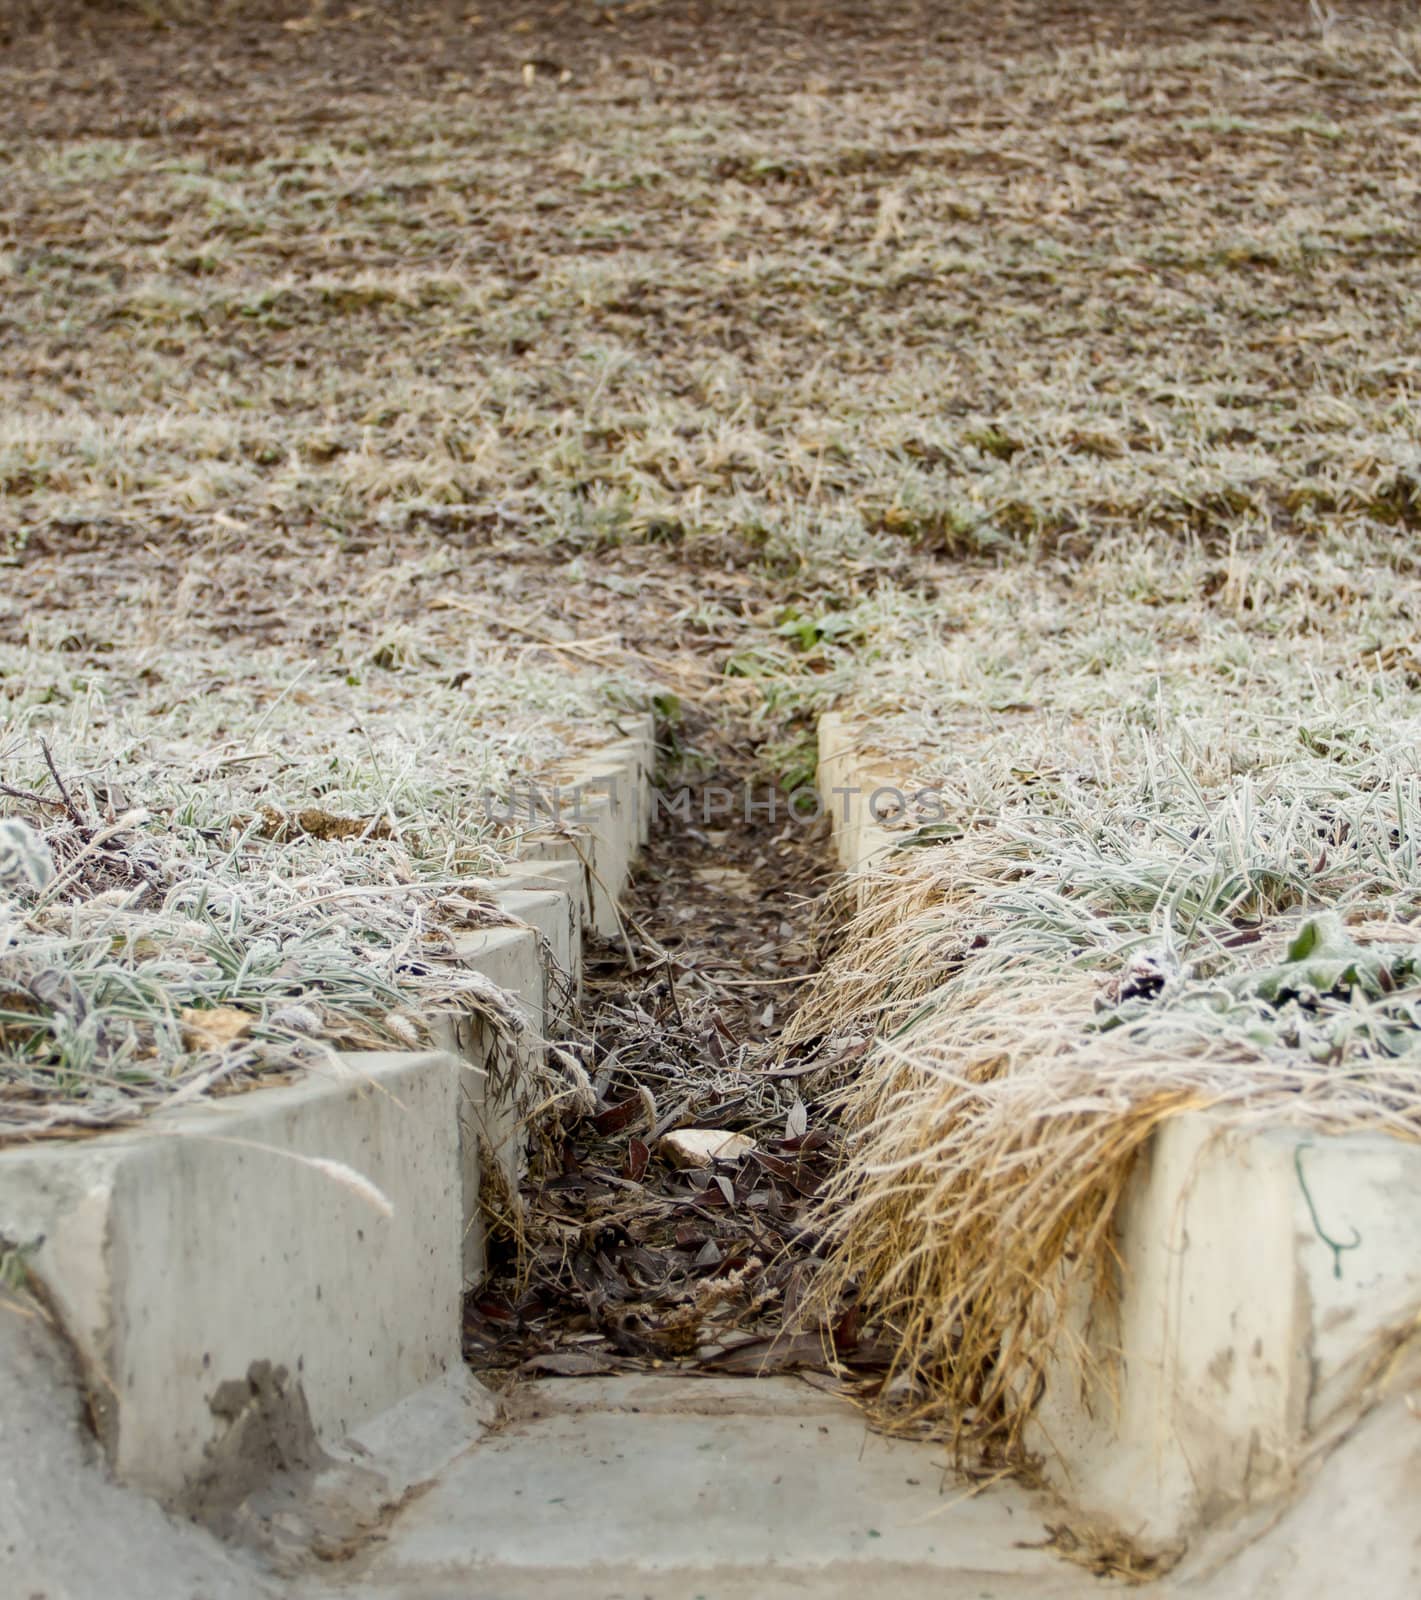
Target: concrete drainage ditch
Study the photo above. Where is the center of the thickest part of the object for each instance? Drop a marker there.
(260, 1303)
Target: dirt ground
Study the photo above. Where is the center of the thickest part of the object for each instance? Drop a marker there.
(153, 54)
(809, 284)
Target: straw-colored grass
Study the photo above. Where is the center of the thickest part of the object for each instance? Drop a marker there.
(994, 1126)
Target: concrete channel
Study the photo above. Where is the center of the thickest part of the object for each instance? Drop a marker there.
(229, 1332)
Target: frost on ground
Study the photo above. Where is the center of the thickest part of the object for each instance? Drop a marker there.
(238, 829)
(1036, 384)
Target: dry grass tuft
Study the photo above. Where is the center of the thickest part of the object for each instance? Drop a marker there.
(993, 1128)
(1106, 1553)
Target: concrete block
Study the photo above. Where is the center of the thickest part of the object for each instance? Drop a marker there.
(554, 860)
(1242, 1334)
(636, 755)
(566, 881)
(182, 1255)
(860, 840)
(612, 835)
(552, 914)
(493, 1073)
(509, 957)
(605, 807)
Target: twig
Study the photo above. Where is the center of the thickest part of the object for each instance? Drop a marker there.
(31, 796)
(74, 814)
(95, 846)
(671, 985)
(758, 983)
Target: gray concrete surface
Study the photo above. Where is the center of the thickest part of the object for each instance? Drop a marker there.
(224, 1291)
(67, 1531)
(667, 1488)
(1242, 1334)
(656, 1488)
(1348, 1525)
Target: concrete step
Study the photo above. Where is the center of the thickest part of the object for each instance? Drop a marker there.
(666, 1487)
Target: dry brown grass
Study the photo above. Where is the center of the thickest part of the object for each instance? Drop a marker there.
(994, 1127)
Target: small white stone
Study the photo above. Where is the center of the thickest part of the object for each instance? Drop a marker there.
(699, 1147)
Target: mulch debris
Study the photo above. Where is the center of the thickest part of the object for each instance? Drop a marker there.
(622, 1259)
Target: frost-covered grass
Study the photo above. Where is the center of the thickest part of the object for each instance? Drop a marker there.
(1020, 289)
(1179, 867)
(242, 835)
(1164, 751)
(1047, 383)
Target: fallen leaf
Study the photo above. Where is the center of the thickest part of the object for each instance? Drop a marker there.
(783, 1353)
(314, 823)
(730, 880)
(756, 1357)
(214, 1027)
(638, 1156)
(568, 1364)
(616, 1117)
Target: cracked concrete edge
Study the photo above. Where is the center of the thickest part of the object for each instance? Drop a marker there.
(207, 1248)
(1238, 1331)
